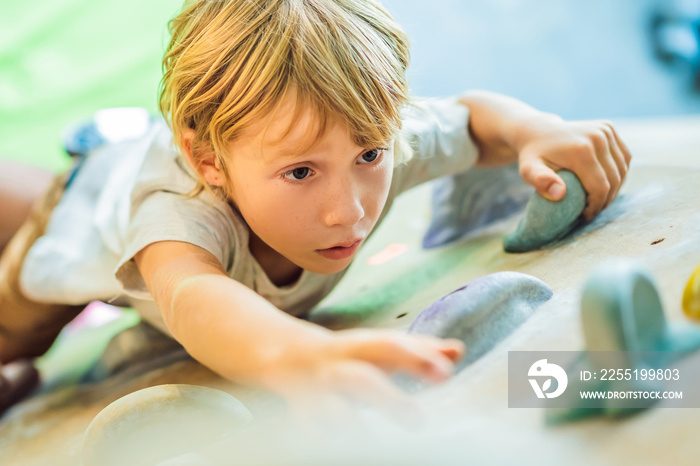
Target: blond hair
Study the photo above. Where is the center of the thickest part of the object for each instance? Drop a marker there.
(231, 62)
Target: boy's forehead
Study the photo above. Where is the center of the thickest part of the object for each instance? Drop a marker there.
(292, 132)
(294, 128)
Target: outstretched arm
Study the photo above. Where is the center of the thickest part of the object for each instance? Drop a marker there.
(240, 335)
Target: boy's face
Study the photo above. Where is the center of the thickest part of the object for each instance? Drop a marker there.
(300, 206)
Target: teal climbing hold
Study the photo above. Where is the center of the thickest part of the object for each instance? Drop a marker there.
(546, 221)
(623, 326)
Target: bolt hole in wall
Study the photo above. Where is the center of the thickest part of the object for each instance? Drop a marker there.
(579, 59)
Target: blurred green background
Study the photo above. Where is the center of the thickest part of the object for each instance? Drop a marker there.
(60, 60)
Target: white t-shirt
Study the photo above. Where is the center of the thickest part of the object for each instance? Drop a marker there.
(129, 195)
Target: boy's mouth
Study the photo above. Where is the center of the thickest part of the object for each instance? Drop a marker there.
(341, 251)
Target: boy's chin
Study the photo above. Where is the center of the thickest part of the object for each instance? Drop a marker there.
(328, 266)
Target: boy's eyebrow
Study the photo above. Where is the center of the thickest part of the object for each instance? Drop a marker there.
(291, 157)
(291, 154)
(283, 156)
(277, 150)
(304, 152)
(295, 155)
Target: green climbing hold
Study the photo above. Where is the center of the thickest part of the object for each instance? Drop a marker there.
(546, 221)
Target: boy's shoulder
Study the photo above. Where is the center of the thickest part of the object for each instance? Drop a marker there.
(163, 167)
(437, 132)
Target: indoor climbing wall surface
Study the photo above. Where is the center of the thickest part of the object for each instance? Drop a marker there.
(655, 222)
(647, 211)
(63, 61)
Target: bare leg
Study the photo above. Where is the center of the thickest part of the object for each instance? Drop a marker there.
(27, 328)
(20, 186)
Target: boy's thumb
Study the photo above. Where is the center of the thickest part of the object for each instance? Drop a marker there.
(547, 183)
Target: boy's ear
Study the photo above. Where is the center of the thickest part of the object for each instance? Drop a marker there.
(207, 165)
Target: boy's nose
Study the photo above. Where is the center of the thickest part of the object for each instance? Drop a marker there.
(344, 206)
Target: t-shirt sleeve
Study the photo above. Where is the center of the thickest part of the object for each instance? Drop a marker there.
(168, 216)
(437, 131)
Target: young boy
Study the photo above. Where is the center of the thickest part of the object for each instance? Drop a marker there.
(294, 133)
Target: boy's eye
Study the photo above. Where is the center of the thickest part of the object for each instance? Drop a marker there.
(301, 173)
(298, 173)
(371, 155)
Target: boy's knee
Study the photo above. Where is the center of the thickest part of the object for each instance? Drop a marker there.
(30, 331)
(16, 345)
(13, 349)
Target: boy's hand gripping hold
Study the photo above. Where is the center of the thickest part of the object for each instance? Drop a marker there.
(590, 149)
(507, 130)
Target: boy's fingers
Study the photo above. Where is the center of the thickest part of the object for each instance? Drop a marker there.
(607, 163)
(595, 184)
(618, 150)
(394, 351)
(626, 154)
(454, 354)
(406, 353)
(450, 347)
(547, 183)
(619, 157)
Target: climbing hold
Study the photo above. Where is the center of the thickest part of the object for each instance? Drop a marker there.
(546, 221)
(624, 327)
(483, 312)
(162, 423)
(691, 296)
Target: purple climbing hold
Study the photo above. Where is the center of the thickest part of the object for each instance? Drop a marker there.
(484, 311)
